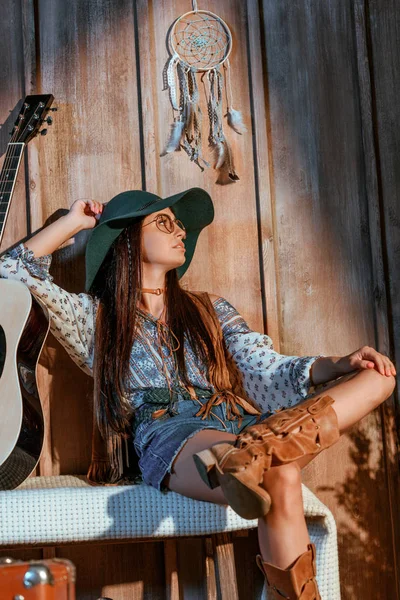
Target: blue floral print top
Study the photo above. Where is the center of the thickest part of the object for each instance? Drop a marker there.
(272, 380)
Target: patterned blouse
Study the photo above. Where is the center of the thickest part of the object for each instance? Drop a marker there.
(271, 379)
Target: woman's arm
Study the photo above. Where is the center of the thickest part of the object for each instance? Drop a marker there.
(325, 368)
(82, 215)
(331, 367)
(72, 316)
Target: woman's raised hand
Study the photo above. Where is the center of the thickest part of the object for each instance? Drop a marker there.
(83, 214)
(86, 213)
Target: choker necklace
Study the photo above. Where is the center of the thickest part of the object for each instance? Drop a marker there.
(157, 291)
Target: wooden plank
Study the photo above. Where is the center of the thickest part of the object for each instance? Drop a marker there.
(191, 563)
(171, 570)
(211, 581)
(263, 171)
(31, 76)
(49, 552)
(325, 287)
(226, 570)
(250, 581)
(119, 571)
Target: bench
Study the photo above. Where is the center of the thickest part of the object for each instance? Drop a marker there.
(65, 510)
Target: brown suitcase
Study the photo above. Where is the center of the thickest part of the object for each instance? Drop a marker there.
(52, 579)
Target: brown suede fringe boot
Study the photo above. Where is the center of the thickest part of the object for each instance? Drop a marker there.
(284, 437)
(297, 582)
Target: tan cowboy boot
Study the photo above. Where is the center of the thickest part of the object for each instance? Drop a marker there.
(238, 468)
(297, 582)
(241, 486)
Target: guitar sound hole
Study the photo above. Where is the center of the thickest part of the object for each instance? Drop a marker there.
(2, 350)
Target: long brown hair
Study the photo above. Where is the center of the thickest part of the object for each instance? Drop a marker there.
(117, 287)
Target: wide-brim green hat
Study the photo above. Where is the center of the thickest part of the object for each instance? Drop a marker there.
(193, 207)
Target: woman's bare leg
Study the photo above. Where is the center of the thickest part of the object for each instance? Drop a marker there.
(185, 478)
(355, 397)
(282, 533)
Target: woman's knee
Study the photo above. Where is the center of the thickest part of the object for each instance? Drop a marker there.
(389, 385)
(382, 385)
(283, 484)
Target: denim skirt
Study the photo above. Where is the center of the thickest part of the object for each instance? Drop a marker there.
(158, 441)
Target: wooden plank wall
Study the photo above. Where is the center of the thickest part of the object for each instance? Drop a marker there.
(305, 245)
(329, 248)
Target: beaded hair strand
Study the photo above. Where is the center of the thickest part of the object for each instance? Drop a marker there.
(128, 243)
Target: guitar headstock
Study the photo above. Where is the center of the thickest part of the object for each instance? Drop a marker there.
(31, 116)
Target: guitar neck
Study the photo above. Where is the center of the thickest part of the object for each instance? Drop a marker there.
(8, 177)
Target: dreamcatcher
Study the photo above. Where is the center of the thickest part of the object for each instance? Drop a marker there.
(201, 42)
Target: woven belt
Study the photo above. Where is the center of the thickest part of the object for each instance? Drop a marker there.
(159, 403)
(159, 399)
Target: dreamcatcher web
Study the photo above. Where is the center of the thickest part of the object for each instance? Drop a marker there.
(201, 42)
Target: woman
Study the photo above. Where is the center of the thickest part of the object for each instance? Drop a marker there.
(183, 372)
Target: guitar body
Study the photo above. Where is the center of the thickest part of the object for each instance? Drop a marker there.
(23, 329)
(24, 326)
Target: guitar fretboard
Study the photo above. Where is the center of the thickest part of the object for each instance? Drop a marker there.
(8, 177)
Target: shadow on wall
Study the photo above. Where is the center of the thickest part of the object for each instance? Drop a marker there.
(360, 528)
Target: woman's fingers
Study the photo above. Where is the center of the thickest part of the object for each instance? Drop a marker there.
(367, 364)
(88, 211)
(390, 368)
(383, 363)
(95, 207)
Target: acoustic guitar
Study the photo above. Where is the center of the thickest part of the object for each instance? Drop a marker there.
(24, 325)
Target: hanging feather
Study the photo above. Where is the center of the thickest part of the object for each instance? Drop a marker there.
(235, 120)
(219, 145)
(174, 140)
(185, 107)
(224, 177)
(171, 80)
(189, 115)
(192, 105)
(189, 111)
(218, 152)
(234, 117)
(224, 162)
(229, 161)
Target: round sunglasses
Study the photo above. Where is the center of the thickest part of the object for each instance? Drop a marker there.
(166, 224)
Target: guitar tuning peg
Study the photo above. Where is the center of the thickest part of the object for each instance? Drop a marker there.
(54, 109)
(43, 132)
(49, 120)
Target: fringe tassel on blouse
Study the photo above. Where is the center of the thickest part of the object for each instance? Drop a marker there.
(232, 401)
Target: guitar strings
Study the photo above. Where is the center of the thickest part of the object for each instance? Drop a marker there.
(8, 160)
